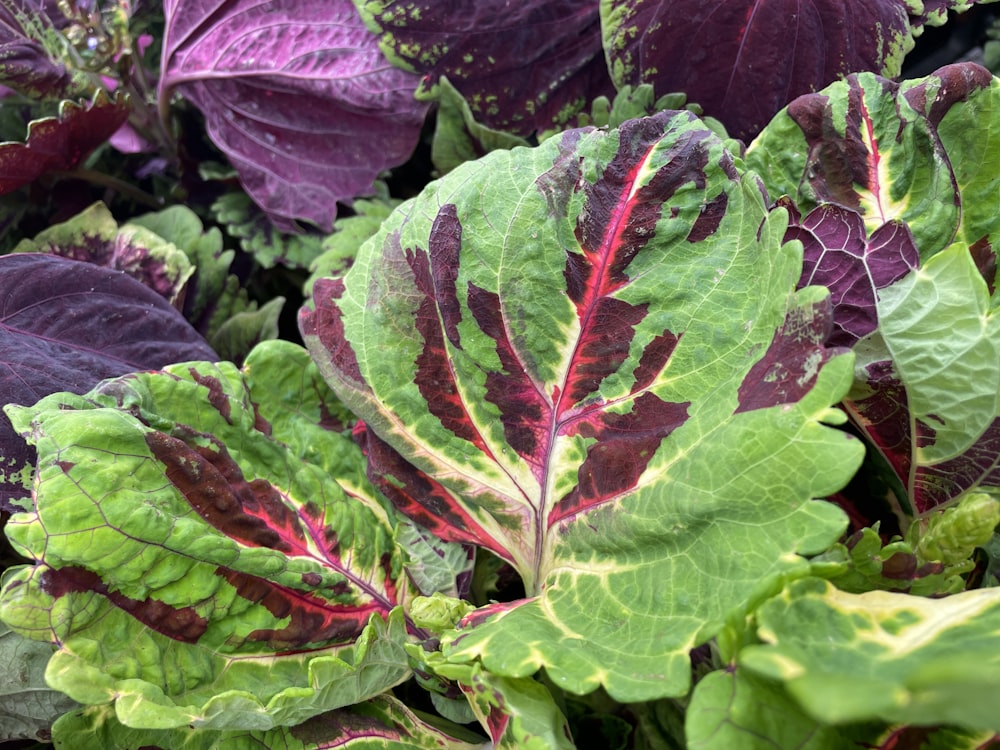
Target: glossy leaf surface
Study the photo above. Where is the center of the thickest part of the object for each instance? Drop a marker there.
(590, 340)
(238, 556)
(290, 90)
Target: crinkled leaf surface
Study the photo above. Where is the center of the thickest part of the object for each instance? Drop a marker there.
(296, 94)
(916, 151)
(93, 236)
(64, 326)
(885, 154)
(744, 60)
(838, 253)
(382, 723)
(601, 372)
(521, 66)
(231, 580)
(60, 143)
(883, 656)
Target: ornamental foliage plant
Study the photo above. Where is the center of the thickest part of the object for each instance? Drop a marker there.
(497, 375)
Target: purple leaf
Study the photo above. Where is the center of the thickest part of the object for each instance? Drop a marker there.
(61, 143)
(521, 66)
(744, 60)
(838, 254)
(296, 94)
(65, 325)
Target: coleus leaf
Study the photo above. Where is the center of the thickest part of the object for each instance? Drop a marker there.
(29, 705)
(743, 61)
(599, 372)
(65, 326)
(926, 394)
(289, 90)
(32, 52)
(215, 301)
(522, 67)
(93, 236)
(882, 656)
(234, 581)
(383, 723)
(735, 708)
(892, 151)
(60, 143)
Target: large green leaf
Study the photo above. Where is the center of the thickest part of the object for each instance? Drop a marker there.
(199, 561)
(589, 358)
(382, 723)
(883, 656)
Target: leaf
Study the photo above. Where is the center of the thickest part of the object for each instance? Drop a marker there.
(548, 401)
(31, 62)
(214, 301)
(93, 236)
(29, 706)
(883, 149)
(734, 708)
(882, 656)
(234, 582)
(839, 254)
(382, 723)
(259, 236)
(65, 326)
(61, 143)
(522, 66)
(339, 248)
(458, 138)
(744, 61)
(296, 94)
(936, 331)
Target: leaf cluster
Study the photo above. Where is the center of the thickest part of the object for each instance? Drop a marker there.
(491, 374)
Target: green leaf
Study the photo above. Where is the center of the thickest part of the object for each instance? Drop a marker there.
(194, 568)
(736, 709)
(939, 328)
(382, 723)
(883, 656)
(349, 234)
(259, 237)
(589, 358)
(458, 138)
(29, 706)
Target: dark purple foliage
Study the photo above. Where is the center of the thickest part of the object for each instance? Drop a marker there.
(298, 96)
(64, 326)
(522, 66)
(61, 143)
(744, 60)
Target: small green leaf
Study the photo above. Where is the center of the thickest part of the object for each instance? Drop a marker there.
(28, 706)
(735, 709)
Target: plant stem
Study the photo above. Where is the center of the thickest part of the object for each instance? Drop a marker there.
(113, 183)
